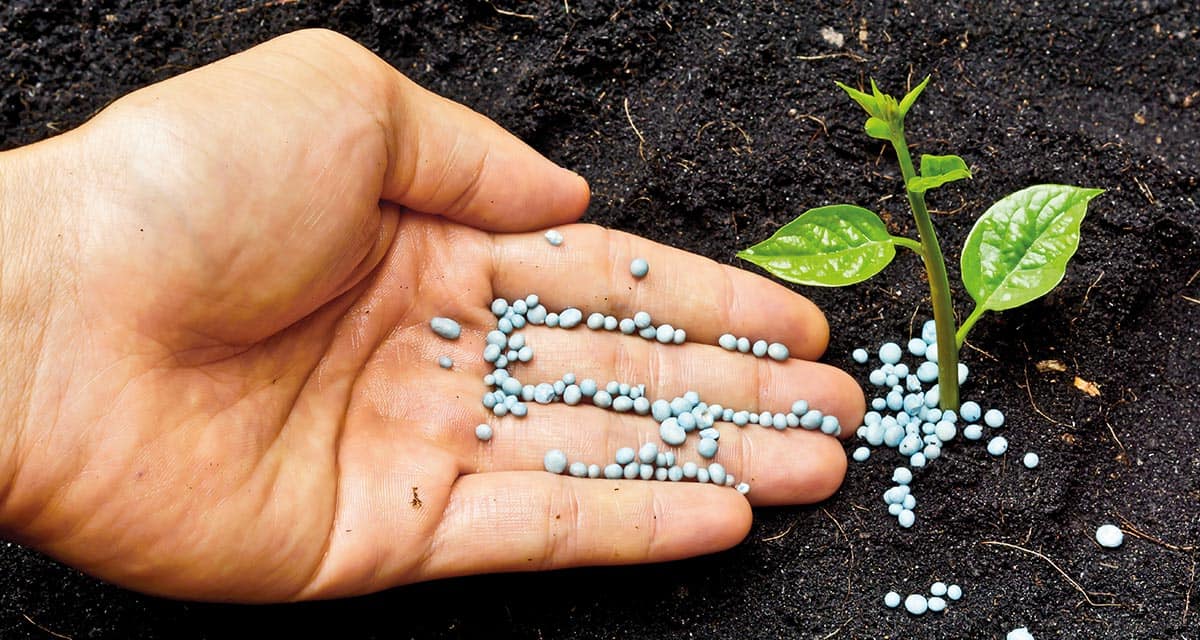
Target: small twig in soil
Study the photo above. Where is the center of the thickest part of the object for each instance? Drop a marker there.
(1189, 299)
(967, 343)
(241, 10)
(1123, 456)
(1132, 529)
(850, 569)
(837, 630)
(53, 633)
(1090, 287)
(825, 56)
(641, 139)
(1029, 392)
(1086, 595)
(785, 531)
(1187, 597)
(1145, 190)
(809, 116)
(512, 14)
(1192, 279)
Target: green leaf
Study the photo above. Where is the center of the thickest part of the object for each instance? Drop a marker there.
(828, 246)
(937, 171)
(877, 128)
(907, 101)
(866, 101)
(1019, 248)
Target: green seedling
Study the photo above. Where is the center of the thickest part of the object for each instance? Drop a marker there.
(1017, 251)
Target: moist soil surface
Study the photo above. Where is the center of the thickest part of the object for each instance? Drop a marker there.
(705, 125)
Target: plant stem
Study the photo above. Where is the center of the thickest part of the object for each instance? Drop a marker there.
(939, 284)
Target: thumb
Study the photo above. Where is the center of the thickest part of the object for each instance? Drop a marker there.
(451, 161)
(444, 158)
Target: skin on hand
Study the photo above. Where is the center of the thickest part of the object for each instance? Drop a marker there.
(220, 379)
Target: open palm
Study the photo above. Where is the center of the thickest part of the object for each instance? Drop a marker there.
(238, 395)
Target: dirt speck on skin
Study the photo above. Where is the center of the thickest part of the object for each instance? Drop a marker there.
(1100, 95)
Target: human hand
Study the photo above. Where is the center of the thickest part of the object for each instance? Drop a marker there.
(220, 377)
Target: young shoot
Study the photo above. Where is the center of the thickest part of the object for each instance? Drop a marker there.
(1017, 251)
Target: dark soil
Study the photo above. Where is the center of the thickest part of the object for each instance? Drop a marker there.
(743, 129)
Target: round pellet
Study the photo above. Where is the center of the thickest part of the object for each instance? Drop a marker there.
(937, 604)
(1110, 536)
(1020, 633)
(613, 471)
(554, 237)
(707, 448)
(993, 418)
(578, 469)
(519, 409)
(702, 475)
(622, 404)
(631, 471)
(690, 469)
(1031, 460)
(602, 399)
(728, 342)
(778, 351)
(641, 319)
(626, 326)
(907, 518)
(675, 473)
(997, 446)
(917, 347)
(890, 353)
(665, 333)
(679, 337)
(587, 387)
(973, 432)
(649, 333)
(595, 321)
(938, 589)
(594, 471)
(610, 323)
(861, 454)
(902, 476)
(743, 345)
(969, 411)
(571, 395)
(648, 453)
(891, 600)
(916, 604)
(570, 318)
(536, 315)
(759, 349)
(641, 405)
(499, 307)
(639, 267)
(445, 362)
(660, 474)
(716, 473)
(483, 432)
(954, 592)
(625, 455)
(645, 471)
(446, 328)
(860, 356)
(743, 488)
(555, 461)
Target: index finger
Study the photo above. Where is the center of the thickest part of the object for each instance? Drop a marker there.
(591, 271)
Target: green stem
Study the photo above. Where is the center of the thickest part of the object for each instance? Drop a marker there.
(910, 244)
(961, 337)
(939, 284)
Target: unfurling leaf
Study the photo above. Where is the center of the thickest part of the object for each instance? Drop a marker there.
(1019, 248)
(829, 246)
(865, 100)
(937, 171)
(877, 128)
(907, 101)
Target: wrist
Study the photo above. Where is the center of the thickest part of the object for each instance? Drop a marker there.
(30, 237)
